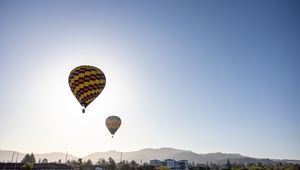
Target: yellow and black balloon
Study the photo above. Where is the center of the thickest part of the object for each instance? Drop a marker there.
(86, 83)
(113, 123)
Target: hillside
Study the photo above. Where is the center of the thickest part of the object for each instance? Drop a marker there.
(145, 155)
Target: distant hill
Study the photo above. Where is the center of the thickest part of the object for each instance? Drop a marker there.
(6, 155)
(145, 155)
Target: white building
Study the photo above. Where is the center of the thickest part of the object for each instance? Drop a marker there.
(171, 163)
(184, 164)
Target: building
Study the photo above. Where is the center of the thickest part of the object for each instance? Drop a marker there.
(171, 163)
(183, 164)
(156, 163)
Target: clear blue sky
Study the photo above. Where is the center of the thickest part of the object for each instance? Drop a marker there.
(206, 76)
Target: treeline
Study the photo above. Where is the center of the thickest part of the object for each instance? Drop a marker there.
(29, 160)
(252, 166)
(109, 164)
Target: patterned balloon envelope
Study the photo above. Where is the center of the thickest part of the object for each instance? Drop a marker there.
(86, 83)
(113, 123)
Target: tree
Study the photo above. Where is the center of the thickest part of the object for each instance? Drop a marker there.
(80, 161)
(254, 167)
(27, 166)
(80, 164)
(89, 162)
(32, 158)
(77, 164)
(228, 164)
(111, 164)
(74, 164)
(45, 160)
(133, 164)
(101, 162)
(146, 166)
(28, 159)
(124, 166)
(88, 165)
(163, 168)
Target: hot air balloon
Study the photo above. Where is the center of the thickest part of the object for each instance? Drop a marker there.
(113, 123)
(86, 83)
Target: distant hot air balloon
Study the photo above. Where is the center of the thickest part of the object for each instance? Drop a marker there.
(86, 83)
(113, 123)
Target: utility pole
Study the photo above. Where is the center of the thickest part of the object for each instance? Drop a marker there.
(12, 158)
(121, 157)
(16, 161)
(66, 158)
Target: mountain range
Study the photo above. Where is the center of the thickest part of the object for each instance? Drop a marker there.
(145, 155)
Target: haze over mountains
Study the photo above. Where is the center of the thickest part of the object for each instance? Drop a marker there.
(145, 155)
